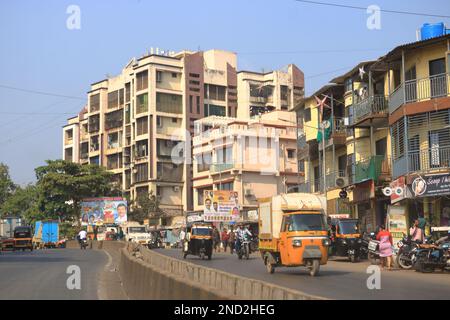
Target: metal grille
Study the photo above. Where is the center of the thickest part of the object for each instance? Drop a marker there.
(398, 139)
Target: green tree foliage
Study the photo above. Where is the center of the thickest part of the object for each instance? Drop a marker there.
(146, 206)
(62, 185)
(7, 186)
(23, 203)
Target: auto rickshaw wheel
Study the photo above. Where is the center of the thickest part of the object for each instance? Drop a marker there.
(314, 267)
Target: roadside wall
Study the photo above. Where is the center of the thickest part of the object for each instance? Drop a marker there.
(147, 274)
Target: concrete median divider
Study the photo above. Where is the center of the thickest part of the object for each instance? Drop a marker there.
(147, 274)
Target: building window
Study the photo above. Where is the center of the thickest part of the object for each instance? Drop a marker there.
(127, 92)
(159, 76)
(348, 85)
(94, 102)
(142, 103)
(203, 162)
(307, 114)
(198, 104)
(225, 186)
(214, 110)
(95, 160)
(114, 140)
(114, 161)
(190, 103)
(214, 92)
(141, 148)
(141, 174)
(174, 120)
(291, 153)
(142, 126)
(142, 80)
(171, 103)
(114, 119)
(113, 99)
(174, 75)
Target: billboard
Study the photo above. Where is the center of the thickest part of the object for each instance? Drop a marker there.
(221, 206)
(97, 211)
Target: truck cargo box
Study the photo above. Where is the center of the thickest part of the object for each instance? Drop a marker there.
(271, 210)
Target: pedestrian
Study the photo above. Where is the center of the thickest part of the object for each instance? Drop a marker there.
(231, 239)
(225, 237)
(416, 232)
(216, 238)
(385, 238)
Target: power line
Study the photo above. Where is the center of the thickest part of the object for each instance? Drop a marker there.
(382, 10)
(311, 51)
(41, 92)
(328, 72)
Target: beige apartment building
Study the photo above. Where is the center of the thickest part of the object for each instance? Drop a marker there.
(264, 92)
(257, 158)
(139, 124)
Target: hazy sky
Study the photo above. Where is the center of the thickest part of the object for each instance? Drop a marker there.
(39, 53)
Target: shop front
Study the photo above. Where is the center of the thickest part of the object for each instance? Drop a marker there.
(426, 196)
(363, 202)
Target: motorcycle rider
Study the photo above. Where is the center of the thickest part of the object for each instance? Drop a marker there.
(240, 234)
(82, 235)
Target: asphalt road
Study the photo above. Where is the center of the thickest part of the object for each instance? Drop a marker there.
(339, 279)
(41, 274)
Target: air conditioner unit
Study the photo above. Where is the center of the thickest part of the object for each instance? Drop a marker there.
(341, 182)
(249, 192)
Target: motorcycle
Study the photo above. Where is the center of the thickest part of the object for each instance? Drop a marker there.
(433, 256)
(83, 244)
(244, 250)
(407, 252)
(371, 247)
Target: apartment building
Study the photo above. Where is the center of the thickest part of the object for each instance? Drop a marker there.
(264, 92)
(419, 122)
(381, 132)
(138, 124)
(257, 158)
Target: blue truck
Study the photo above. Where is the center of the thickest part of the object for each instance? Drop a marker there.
(46, 234)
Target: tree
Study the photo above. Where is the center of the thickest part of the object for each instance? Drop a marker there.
(23, 203)
(7, 186)
(62, 185)
(146, 206)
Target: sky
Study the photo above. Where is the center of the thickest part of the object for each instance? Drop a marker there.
(39, 53)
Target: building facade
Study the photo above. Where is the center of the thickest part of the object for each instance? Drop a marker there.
(140, 123)
(257, 158)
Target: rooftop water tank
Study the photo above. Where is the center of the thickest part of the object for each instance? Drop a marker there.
(432, 30)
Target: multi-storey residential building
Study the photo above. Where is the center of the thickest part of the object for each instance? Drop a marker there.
(264, 92)
(257, 158)
(419, 121)
(345, 144)
(139, 124)
(135, 121)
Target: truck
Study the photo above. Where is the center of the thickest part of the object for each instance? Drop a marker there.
(293, 231)
(46, 234)
(23, 238)
(136, 232)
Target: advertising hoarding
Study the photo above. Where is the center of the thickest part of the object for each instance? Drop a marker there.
(221, 206)
(98, 211)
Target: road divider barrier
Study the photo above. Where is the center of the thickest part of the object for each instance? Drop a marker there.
(147, 274)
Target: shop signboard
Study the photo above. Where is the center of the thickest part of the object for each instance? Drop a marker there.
(221, 206)
(396, 222)
(430, 185)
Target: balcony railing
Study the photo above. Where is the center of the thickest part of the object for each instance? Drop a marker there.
(376, 104)
(219, 167)
(419, 90)
(435, 158)
(373, 168)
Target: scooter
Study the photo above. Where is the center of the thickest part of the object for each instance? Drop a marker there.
(434, 256)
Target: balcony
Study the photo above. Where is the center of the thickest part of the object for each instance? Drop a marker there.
(169, 173)
(169, 103)
(337, 136)
(437, 158)
(377, 168)
(418, 90)
(220, 167)
(372, 107)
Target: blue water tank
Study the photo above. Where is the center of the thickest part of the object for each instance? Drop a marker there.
(432, 30)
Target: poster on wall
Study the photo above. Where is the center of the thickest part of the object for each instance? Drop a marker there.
(396, 222)
(98, 211)
(221, 206)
